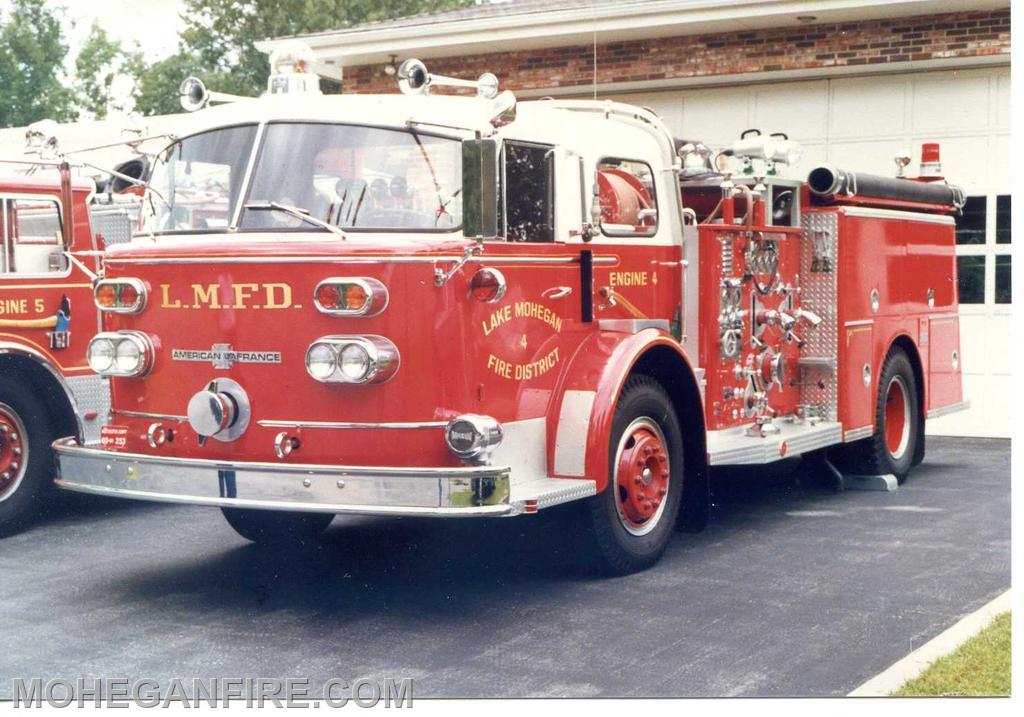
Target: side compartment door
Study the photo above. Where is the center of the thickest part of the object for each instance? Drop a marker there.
(944, 383)
(858, 379)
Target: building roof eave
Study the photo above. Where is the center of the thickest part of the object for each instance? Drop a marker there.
(608, 22)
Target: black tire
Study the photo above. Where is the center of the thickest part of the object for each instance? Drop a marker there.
(278, 528)
(882, 453)
(25, 456)
(614, 548)
(919, 449)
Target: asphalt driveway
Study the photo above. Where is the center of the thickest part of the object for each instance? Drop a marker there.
(791, 590)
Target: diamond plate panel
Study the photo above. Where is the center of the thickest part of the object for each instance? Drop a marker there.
(114, 223)
(92, 393)
(819, 292)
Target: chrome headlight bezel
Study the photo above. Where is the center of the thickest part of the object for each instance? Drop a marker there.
(382, 354)
(115, 338)
(134, 308)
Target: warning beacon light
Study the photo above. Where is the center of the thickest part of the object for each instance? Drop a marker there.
(931, 165)
(293, 70)
(41, 138)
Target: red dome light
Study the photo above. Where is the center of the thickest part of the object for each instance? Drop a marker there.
(487, 285)
(328, 296)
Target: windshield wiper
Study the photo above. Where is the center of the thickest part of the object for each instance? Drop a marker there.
(298, 213)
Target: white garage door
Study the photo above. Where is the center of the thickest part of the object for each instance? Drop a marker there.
(860, 123)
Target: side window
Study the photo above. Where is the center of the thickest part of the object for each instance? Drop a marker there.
(32, 237)
(629, 206)
(529, 192)
(970, 225)
(971, 272)
(983, 250)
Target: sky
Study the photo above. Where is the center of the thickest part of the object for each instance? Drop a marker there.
(153, 23)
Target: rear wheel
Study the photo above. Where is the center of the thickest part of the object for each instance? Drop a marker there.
(632, 520)
(271, 527)
(894, 445)
(26, 462)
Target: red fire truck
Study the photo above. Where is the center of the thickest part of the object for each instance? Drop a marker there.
(438, 305)
(51, 230)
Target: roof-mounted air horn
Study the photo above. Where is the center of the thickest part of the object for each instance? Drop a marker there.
(415, 79)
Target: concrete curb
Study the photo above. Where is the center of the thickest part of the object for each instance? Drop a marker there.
(917, 661)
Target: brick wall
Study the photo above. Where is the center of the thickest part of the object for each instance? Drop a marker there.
(870, 42)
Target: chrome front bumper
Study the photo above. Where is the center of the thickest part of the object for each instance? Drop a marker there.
(448, 492)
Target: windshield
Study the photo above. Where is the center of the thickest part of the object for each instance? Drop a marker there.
(197, 181)
(353, 177)
(356, 178)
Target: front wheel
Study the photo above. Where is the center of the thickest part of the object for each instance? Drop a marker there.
(632, 520)
(281, 528)
(26, 462)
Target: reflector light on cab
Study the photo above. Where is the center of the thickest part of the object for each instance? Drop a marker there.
(352, 359)
(350, 296)
(487, 285)
(120, 353)
(120, 296)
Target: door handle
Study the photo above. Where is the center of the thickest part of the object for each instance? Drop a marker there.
(557, 292)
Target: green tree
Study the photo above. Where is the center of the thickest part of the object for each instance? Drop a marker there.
(222, 33)
(99, 61)
(32, 53)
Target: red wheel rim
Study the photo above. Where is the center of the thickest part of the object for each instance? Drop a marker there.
(642, 474)
(897, 417)
(13, 451)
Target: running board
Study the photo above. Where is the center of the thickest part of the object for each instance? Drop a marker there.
(733, 446)
(533, 495)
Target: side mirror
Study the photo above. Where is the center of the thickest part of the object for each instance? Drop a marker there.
(481, 185)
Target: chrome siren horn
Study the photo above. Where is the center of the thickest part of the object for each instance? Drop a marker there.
(193, 94)
(413, 77)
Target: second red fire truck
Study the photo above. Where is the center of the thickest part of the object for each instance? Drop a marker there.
(52, 226)
(440, 305)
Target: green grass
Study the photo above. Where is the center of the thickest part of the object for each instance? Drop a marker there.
(979, 667)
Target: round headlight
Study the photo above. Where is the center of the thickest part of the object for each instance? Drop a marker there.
(354, 362)
(100, 355)
(321, 361)
(127, 356)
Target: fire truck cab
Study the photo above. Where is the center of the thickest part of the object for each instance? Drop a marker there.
(47, 317)
(428, 304)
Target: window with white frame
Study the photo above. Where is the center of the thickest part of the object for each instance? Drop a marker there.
(983, 248)
(30, 236)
